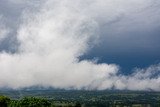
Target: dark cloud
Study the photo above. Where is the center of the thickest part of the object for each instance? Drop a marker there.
(50, 39)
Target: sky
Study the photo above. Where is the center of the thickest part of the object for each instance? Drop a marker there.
(75, 44)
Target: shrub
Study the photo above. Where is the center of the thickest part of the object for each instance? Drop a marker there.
(4, 101)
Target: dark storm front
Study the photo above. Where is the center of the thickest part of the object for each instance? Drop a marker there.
(72, 98)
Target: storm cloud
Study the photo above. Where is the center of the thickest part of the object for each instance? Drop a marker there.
(51, 35)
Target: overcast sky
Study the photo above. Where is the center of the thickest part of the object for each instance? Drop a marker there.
(94, 43)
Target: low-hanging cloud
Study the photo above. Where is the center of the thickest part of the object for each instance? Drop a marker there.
(52, 38)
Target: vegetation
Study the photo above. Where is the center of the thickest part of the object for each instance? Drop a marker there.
(4, 101)
(34, 102)
(30, 102)
(72, 98)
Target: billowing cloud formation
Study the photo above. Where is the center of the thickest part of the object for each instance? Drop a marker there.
(52, 38)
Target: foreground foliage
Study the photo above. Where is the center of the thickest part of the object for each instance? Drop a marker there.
(30, 102)
(4, 101)
(33, 102)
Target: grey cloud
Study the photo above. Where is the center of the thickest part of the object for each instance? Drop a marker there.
(52, 38)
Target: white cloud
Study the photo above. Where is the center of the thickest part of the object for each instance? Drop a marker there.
(141, 79)
(52, 40)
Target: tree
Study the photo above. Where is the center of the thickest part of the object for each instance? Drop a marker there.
(4, 101)
(34, 102)
(77, 104)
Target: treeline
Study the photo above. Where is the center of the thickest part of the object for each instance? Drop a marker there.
(33, 102)
(43, 102)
